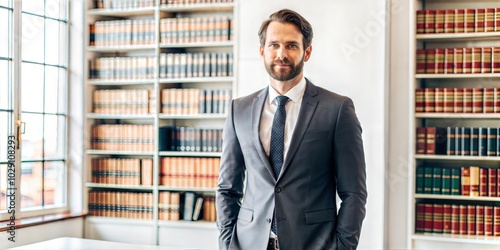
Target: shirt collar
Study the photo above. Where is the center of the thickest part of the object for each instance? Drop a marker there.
(294, 93)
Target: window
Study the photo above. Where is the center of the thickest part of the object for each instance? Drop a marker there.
(33, 87)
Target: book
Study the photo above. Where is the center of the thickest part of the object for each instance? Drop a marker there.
(456, 183)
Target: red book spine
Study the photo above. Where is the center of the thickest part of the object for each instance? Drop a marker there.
(496, 100)
(449, 21)
(421, 61)
(462, 218)
(420, 22)
(498, 182)
(430, 140)
(471, 219)
(477, 100)
(421, 139)
(430, 22)
(488, 94)
(448, 61)
(476, 60)
(437, 218)
(496, 221)
(467, 66)
(486, 60)
(430, 58)
(480, 13)
(479, 220)
(458, 60)
(465, 182)
(495, 59)
(439, 61)
(419, 100)
(429, 100)
(489, 20)
(447, 219)
(428, 223)
(459, 20)
(420, 226)
(439, 100)
(467, 100)
(470, 19)
(455, 221)
(458, 100)
(488, 220)
(483, 182)
(497, 19)
(439, 21)
(448, 100)
(492, 182)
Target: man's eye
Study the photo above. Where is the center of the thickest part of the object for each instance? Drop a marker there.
(274, 45)
(292, 46)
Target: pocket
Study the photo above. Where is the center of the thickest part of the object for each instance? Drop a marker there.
(320, 216)
(314, 135)
(245, 214)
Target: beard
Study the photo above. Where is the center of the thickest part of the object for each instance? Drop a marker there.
(284, 74)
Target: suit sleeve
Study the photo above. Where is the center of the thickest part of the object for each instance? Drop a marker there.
(350, 171)
(230, 184)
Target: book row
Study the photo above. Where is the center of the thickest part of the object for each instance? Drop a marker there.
(122, 171)
(137, 4)
(465, 181)
(189, 172)
(196, 29)
(195, 101)
(457, 219)
(124, 101)
(123, 137)
(458, 60)
(457, 100)
(187, 206)
(122, 32)
(122, 68)
(190, 139)
(465, 141)
(458, 20)
(182, 65)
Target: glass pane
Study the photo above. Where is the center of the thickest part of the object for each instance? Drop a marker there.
(4, 85)
(32, 139)
(55, 9)
(55, 91)
(4, 134)
(32, 87)
(5, 3)
(54, 46)
(54, 183)
(31, 184)
(3, 186)
(54, 136)
(4, 32)
(33, 6)
(33, 37)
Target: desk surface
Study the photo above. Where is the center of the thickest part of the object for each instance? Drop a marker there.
(68, 243)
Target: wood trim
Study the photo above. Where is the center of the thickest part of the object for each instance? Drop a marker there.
(38, 220)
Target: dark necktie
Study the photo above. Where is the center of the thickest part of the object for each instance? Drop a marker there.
(277, 146)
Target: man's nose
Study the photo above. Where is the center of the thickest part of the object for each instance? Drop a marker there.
(281, 53)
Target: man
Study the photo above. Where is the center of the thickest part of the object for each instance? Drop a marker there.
(294, 153)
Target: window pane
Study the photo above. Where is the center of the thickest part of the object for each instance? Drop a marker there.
(5, 3)
(33, 6)
(55, 91)
(32, 139)
(31, 184)
(32, 87)
(54, 183)
(4, 85)
(54, 135)
(3, 187)
(55, 9)
(54, 43)
(4, 32)
(32, 38)
(5, 124)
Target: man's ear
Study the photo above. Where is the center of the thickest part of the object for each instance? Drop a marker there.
(307, 53)
(261, 51)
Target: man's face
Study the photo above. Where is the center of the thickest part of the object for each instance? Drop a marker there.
(283, 51)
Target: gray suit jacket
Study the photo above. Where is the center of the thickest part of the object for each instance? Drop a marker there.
(325, 156)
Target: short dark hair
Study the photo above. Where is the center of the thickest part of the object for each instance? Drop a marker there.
(292, 17)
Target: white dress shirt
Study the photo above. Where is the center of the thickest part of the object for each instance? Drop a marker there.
(292, 112)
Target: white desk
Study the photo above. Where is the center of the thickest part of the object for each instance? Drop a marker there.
(68, 243)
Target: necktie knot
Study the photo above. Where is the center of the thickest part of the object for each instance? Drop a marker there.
(282, 100)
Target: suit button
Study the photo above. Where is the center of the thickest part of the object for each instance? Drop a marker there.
(278, 189)
(268, 220)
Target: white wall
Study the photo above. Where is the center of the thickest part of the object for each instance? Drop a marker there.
(348, 57)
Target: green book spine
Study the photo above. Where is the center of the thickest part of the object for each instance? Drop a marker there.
(492, 141)
(420, 181)
(466, 141)
(483, 142)
(446, 181)
(474, 141)
(455, 181)
(450, 142)
(436, 180)
(428, 180)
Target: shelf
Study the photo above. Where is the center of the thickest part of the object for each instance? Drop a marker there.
(186, 189)
(190, 154)
(482, 240)
(118, 220)
(122, 12)
(211, 7)
(198, 44)
(458, 36)
(108, 152)
(199, 79)
(456, 197)
(457, 76)
(197, 116)
(121, 82)
(118, 186)
(459, 115)
(124, 48)
(457, 157)
(187, 224)
(119, 116)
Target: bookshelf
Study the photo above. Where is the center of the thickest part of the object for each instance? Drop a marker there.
(159, 76)
(454, 84)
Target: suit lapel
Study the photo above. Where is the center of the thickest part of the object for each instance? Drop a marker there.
(257, 107)
(309, 104)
